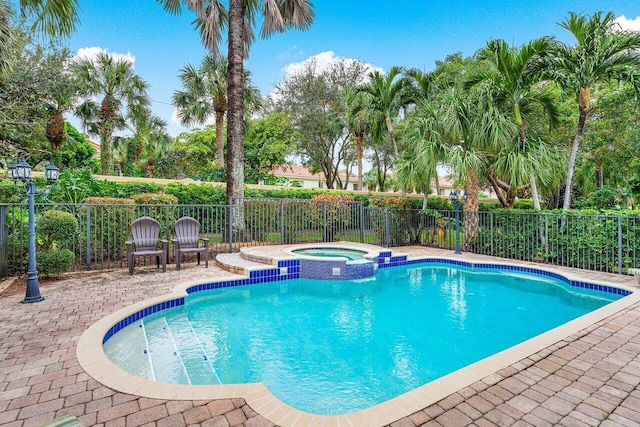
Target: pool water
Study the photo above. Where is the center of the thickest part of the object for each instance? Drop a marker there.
(334, 347)
(350, 254)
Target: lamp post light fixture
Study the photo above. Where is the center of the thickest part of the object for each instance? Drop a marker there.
(21, 172)
(458, 199)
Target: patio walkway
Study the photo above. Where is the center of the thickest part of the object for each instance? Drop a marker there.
(590, 378)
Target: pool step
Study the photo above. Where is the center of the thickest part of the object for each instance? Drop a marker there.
(194, 357)
(164, 352)
(137, 356)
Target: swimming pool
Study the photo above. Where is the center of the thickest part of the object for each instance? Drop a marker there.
(367, 341)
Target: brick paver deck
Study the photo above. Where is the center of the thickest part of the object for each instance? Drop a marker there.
(590, 378)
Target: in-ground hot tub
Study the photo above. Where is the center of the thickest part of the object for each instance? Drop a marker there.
(335, 261)
(332, 252)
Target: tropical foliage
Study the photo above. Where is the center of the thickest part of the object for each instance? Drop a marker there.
(547, 121)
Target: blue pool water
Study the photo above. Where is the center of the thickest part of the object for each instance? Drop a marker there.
(333, 347)
(350, 254)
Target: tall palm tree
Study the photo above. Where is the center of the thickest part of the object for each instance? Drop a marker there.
(279, 16)
(600, 54)
(124, 94)
(511, 83)
(387, 95)
(356, 118)
(204, 95)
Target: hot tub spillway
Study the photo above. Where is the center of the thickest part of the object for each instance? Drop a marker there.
(337, 269)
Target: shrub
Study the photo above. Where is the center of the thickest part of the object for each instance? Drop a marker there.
(338, 212)
(193, 194)
(54, 261)
(8, 193)
(74, 186)
(155, 199)
(56, 229)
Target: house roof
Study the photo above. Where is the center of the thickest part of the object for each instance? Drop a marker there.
(303, 172)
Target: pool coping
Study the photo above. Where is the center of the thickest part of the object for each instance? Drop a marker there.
(93, 360)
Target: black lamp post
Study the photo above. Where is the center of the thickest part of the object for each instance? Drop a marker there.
(21, 172)
(458, 201)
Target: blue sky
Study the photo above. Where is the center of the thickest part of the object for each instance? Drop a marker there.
(382, 33)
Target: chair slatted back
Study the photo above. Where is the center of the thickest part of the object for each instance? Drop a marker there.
(145, 232)
(187, 230)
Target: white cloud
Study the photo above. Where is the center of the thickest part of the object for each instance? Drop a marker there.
(92, 52)
(628, 24)
(323, 61)
(293, 51)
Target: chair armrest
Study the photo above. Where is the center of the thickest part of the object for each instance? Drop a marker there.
(129, 244)
(176, 243)
(165, 244)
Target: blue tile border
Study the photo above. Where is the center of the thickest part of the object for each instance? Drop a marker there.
(140, 314)
(293, 272)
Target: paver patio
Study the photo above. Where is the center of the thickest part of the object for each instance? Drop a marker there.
(590, 378)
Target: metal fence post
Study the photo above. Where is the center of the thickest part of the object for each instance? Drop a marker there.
(230, 225)
(88, 209)
(387, 228)
(361, 222)
(492, 232)
(282, 221)
(619, 245)
(324, 216)
(4, 242)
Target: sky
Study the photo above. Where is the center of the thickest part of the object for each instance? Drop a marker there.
(381, 33)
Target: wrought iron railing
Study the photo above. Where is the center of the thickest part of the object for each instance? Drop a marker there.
(595, 242)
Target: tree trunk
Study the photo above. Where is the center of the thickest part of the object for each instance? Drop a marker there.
(392, 135)
(220, 138)
(235, 119)
(471, 224)
(55, 130)
(534, 193)
(574, 147)
(106, 117)
(395, 147)
(359, 137)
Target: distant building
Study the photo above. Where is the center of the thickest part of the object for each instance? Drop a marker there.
(302, 177)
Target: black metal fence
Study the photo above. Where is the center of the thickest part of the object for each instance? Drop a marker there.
(595, 242)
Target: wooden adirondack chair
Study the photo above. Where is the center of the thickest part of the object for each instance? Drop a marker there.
(145, 232)
(187, 231)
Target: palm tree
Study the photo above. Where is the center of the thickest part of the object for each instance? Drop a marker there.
(60, 89)
(205, 95)
(601, 54)
(387, 94)
(124, 94)
(511, 83)
(356, 118)
(279, 16)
